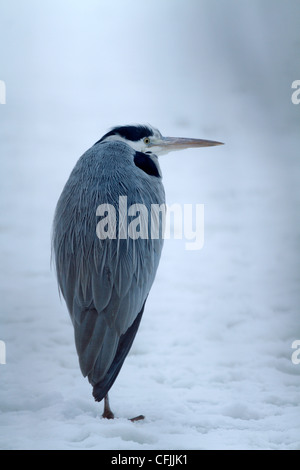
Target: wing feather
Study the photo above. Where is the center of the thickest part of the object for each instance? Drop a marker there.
(105, 282)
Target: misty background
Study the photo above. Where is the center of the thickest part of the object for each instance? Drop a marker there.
(212, 69)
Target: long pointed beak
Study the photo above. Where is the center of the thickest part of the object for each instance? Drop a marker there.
(170, 144)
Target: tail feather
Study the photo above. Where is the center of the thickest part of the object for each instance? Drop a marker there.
(125, 343)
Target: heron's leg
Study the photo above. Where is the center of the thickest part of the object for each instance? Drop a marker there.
(107, 413)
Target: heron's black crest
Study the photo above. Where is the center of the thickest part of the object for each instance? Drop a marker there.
(146, 164)
(133, 133)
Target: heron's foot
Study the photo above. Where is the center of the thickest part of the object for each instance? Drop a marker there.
(137, 418)
(108, 414)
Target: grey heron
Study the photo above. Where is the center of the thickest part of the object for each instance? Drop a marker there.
(105, 280)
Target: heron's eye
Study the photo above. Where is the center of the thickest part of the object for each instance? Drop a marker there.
(146, 140)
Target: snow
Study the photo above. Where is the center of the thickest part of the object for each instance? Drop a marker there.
(211, 365)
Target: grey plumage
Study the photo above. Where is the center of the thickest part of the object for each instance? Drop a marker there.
(105, 282)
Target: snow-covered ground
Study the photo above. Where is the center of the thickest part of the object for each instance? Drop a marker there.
(211, 365)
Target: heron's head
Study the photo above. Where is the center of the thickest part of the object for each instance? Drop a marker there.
(147, 139)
